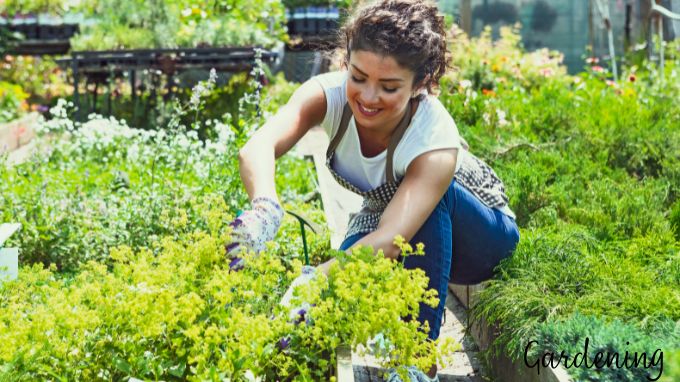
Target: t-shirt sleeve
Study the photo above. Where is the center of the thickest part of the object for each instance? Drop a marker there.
(333, 84)
(435, 131)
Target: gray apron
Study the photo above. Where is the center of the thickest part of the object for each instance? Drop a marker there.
(473, 174)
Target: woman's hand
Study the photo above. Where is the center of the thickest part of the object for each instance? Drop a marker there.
(255, 227)
(325, 267)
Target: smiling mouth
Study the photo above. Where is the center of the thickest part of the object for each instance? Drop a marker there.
(366, 111)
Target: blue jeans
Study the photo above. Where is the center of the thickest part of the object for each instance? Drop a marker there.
(464, 241)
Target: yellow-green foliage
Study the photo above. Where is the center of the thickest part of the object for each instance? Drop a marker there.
(175, 311)
(12, 101)
(672, 368)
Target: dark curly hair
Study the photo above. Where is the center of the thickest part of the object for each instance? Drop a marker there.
(410, 31)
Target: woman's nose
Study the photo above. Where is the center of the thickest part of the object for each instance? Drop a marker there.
(369, 97)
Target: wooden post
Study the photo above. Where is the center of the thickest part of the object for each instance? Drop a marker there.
(591, 29)
(344, 371)
(628, 27)
(466, 16)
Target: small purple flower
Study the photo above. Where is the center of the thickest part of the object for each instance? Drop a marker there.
(42, 108)
(231, 247)
(302, 317)
(284, 342)
(299, 314)
(236, 223)
(237, 264)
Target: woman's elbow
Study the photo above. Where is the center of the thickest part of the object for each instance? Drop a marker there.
(243, 153)
(246, 152)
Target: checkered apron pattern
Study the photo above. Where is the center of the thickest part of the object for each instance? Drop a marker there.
(473, 174)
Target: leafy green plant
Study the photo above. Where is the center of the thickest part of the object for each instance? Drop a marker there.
(175, 311)
(132, 24)
(592, 173)
(39, 77)
(672, 371)
(609, 338)
(12, 101)
(12, 7)
(106, 183)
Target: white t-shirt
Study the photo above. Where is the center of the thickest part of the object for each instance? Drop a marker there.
(431, 128)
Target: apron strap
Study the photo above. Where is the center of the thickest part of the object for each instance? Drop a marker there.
(394, 140)
(396, 137)
(344, 123)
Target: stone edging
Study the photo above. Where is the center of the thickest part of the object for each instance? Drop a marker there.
(18, 133)
(503, 368)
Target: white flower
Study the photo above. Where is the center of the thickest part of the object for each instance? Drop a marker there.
(224, 133)
(487, 118)
(250, 377)
(465, 84)
(501, 118)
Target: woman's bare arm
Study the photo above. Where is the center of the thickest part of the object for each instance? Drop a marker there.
(305, 109)
(427, 179)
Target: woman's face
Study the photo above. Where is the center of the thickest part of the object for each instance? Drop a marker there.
(378, 90)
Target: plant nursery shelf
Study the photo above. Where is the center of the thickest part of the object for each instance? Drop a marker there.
(306, 43)
(169, 61)
(41, 47)
(99, 67)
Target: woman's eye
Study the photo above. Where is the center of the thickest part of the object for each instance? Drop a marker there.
(360, 81)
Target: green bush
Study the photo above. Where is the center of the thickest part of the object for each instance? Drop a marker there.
(609, 338)
(12, 101)
(132, 24)
(175, 311)
(591, 169)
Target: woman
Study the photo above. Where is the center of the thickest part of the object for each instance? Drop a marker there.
(392, 142)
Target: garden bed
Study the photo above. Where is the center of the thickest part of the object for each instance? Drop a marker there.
(502, 368)
(588, 165)
(122, 245)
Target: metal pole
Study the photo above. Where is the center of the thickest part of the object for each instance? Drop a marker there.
(76, 78)
(591, 29)
(466, 16)
(604, 13)
(661, 48)
(94, 99)
(612, 52)
(628, 26)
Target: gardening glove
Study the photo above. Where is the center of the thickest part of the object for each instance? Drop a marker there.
(254, 227)
(379, 346)
(298, 314)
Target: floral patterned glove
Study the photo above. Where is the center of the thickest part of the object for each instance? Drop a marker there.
(298, 314)
(255, 227)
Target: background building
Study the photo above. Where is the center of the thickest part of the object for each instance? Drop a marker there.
(569, 26)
